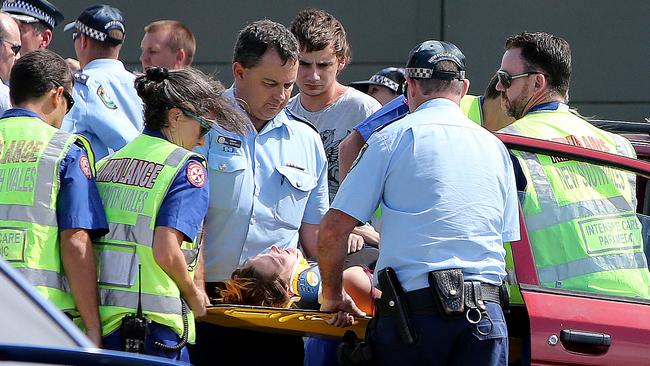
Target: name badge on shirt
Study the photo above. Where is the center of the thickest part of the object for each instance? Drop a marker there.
(223, 140)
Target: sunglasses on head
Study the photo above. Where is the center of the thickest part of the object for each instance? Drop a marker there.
(68, 98)
(15, 48)
(206, 124)
(506, 79)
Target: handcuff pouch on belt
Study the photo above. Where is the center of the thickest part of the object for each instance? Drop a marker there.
(455, 297)
(447, 288)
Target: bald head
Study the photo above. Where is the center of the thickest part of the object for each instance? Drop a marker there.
(7, 25)
(10, 41)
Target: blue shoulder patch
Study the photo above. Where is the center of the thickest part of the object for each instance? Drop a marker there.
(80, 77)
(389, 122)
(294, 117)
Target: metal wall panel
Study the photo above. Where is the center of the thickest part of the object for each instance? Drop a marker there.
(609, 40)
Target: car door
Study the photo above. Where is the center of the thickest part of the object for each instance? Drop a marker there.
(582, 327)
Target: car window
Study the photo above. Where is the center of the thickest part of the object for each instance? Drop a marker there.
(583, 227)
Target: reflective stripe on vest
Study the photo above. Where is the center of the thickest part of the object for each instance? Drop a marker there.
(589, 265)
(150, 303)
(140, 233)
(551, 213)
(44, 277)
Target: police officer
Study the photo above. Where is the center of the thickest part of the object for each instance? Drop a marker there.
(447, 192)
(484, 110)
(49, 204)
(167, 43)
(155, 191)
(36, 20)
(384, 86)
(9, 52)
(534, 81)
(108, 110)
(269, 185)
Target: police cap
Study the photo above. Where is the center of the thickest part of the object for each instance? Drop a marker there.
(424, 57)
(31, 11)
(391, 77)
(98, 21)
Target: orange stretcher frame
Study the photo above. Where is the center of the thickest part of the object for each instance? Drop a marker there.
(280, 320)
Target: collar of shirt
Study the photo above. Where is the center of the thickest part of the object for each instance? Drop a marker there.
(437, 102)
(278, 121)
(103, 63)
(153, 133)
(549, 106)
(20, 112)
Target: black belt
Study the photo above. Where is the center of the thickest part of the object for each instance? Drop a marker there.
(422, 300)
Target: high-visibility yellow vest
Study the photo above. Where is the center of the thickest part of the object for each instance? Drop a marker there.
(470, 105)
(133, 183)
(31, 152)
(581, 218)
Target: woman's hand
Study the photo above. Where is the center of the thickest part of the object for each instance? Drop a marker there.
(198, 303)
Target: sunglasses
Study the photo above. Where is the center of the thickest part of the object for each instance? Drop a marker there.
(206, 124)
(75, 35)
(506, 79)
(15, 48)
(68, 98)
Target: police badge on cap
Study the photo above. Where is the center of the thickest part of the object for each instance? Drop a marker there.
(424, 57)
(31, 11)
(101, 22)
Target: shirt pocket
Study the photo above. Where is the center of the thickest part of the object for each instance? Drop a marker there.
(295, 186)
(226, 177)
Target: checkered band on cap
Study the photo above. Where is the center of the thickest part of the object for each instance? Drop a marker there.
(90, 32)
(22, 7)
(419, 72)
(390, 84)
(424, 73)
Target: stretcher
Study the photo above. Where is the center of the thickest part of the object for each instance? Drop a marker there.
(280, 320)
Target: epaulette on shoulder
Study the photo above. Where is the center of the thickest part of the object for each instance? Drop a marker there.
(80, 77)
(294, 117)
(389, 123)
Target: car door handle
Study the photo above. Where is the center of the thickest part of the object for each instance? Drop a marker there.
(582, 338)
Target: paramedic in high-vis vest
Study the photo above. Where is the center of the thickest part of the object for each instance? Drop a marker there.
(580, 218)
(49, 204)
(155, 193)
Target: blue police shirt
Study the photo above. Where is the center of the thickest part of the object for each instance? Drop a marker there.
(78, 203)
(107, 109)
(186, 204)
(447, 194)
(392, 110)
(264, 185)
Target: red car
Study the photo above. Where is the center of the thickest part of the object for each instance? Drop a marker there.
(568, 327)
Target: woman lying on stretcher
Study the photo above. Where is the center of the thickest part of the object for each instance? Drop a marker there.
(284, 278)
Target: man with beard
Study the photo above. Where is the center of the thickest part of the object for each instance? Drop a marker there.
(558, 201)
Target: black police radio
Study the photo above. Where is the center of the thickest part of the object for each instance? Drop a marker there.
(134, 326)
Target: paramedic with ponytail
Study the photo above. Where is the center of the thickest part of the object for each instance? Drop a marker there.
(148, 298)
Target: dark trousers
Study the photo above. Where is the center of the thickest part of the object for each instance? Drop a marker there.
(155, 333)
(442, 341)
(215, 344)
